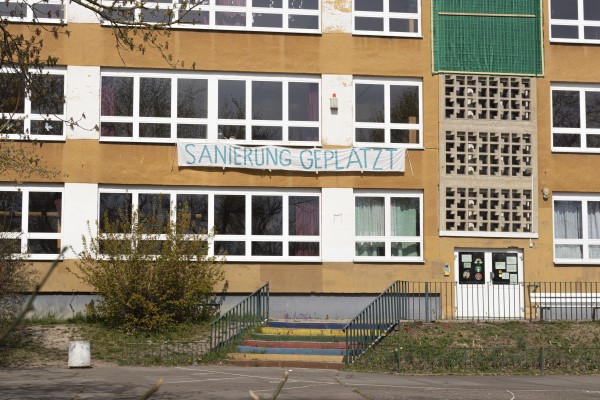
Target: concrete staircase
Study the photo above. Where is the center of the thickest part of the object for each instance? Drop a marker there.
(294, 344)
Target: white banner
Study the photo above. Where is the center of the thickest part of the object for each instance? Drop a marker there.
(364, 159)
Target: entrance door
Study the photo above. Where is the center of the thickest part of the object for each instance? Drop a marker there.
(489, 284)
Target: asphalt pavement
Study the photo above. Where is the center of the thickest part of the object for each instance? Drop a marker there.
(224, 382)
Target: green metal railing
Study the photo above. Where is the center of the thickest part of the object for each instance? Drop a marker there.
(248, 313)
(373, 323)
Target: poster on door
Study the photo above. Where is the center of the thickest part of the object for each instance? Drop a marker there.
(471, 268)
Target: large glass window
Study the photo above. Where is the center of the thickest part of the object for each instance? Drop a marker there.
(388, 226)
(388, 112)
(576, 118)
(300, 16)
(161, 107)
(575, 21)
(47, 11)
(248, 225)
(577, 228)
(30, 220)
(387, 17)
(35, 110)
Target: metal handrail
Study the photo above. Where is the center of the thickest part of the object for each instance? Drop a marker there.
(248, 313)
(373, 323)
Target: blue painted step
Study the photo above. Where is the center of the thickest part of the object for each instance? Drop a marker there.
(306, 325)
(272, 350)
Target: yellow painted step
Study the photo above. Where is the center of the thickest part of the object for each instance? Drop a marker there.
(301, 331)
(285, 357)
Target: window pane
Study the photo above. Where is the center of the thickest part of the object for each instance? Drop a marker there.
(368, 24)
(267, 3)
(594, 219)
(267, 133)
(43, 246)
(186, 131)
(115, 212)
(563, 9)
(230, 214)
(117, 96)
(45, 211)
(565, 32)
(368, 5)
(267, 20)
(566, 140)
(267, 215)
(595, 252)
(47, 94)
(232, 99)
(370, 216)
(230, 19)
(230, 248)
(267, 99)
(154, 212)
(569, 251)
(404, 6)
(12, 94)
(304, 249)
(303, 100)
(567, 220)
(370, 135)
(156, 16)
(592, 141)
(369, 103)
(592, 109)
(46, 127)
(404, 104)
(591, 10)
(10, 211)
(192, 98)
(267, 249)
(235, 3)
(41, 10)
(304, 215)
(406, 249)
(195, 17)
(116, 129)
(195, 207)
(591, 32)
(155, 130)
(155, 97)
(13, 10)
(405, 217)
(370, 249)
(304, 4)
(232, 132)
(303, 22)
(404, 136)
(565, 109)
(404, 25)
(303, 134)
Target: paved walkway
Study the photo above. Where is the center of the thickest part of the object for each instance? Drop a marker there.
(207, 383)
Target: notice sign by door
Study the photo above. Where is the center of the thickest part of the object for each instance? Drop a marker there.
(471, 267)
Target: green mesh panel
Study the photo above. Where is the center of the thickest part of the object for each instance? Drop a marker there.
(484, 44)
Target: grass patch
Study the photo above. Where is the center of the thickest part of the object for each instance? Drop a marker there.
(492, 347)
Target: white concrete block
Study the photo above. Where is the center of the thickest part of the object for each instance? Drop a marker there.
(338, 125)
(83, 99)
(80, 211)
(338, 224)
(79, 14)
(336, 16)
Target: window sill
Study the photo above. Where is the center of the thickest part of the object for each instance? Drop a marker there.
(577, 263)
(243, 29)
(378, 260)
(388, 35)
(507, 235)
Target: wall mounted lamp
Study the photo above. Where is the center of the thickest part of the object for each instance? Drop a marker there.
(333, 102)
(545, 193)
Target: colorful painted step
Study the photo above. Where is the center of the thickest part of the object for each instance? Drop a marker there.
(298, 338)
(291, 350)
(286, 357)
(295, 344)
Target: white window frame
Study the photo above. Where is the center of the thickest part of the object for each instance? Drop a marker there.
(386, 15)
(212, 121)
(29, 17)
(580, 23)
(25, 235)
(585, 241)
(286, 13)
(285, 238)
(26, 116)
(388, 238)
(583, 131)
(387, 126)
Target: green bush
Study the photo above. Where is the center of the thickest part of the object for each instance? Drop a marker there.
(150, 272)
(16, 278)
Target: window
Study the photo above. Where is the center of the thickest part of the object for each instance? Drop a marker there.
(47, 11)
(577, 228)
(256, 226)
(299, 16)
(164, 107)
(388, 226)
(575, 21)
(30, 220)
(39, 115)
(388, 112)
(387, 17)
(576, 118)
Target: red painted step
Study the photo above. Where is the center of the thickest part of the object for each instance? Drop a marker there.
(286, 364)
(295, 345)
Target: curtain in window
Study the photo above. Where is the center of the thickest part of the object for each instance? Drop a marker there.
(370, 216)
(405, 216)
(313, 102)
(594, 219)
(231, 18)
(568, 225)
(307, 218)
